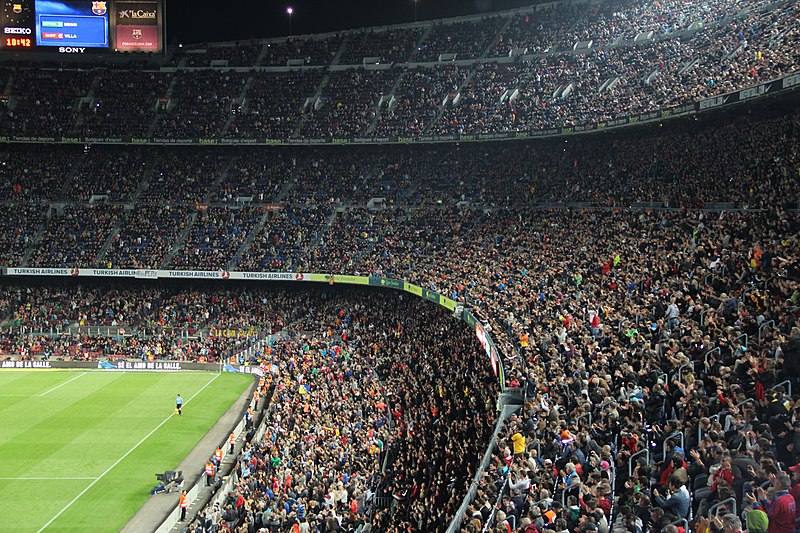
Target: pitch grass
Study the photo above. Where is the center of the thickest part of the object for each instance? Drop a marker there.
(56, 427)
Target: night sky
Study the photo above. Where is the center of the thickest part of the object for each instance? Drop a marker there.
(192, 21)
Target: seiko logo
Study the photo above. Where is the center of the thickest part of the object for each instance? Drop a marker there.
(137, 14)
(70, 50)
(18, 31)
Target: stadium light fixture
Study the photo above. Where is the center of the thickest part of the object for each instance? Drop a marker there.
(290, 12)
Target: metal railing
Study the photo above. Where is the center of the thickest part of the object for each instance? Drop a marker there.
(680, 369)
(613, 467)
(781, 384)
(714, 508)
(703, 318)
(645, 451)
(584, 415)
(761, 329)
(744, 336)
(681, 522)
(717, 350)
(573, 488)
(495, 508)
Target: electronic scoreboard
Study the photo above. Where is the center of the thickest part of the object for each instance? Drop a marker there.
(82, 26)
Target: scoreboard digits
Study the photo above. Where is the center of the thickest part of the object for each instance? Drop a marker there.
(82, 26)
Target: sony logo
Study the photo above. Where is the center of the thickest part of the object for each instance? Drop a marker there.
(71, 50)
(137, 14)
(17, 31)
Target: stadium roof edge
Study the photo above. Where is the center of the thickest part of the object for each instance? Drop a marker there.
(406, 25)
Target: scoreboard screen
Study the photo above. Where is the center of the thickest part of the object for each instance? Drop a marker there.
(82, 26)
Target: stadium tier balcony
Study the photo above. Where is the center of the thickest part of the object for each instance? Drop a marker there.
(417, 98)
(112, 173)
(273, 104)
(146, 236)
(200, 104)
(18, 228)
(256, 177)
(74, 236)
(311, 51)
(387, 46)
(182, 177)
(569, 66)
(215, 237)
(35, 174)
(467, 40)
(348, 103)
(44, 101)
(286, 240)
(239, 54)
(123, 104)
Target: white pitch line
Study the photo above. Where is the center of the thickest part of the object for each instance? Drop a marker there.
(45, 478)
(118, 461)
(61, 385)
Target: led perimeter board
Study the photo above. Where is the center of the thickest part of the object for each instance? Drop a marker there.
(82, 26)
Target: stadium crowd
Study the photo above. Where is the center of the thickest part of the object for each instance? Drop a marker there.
(694, 52)
(650, 326)
(319, 472)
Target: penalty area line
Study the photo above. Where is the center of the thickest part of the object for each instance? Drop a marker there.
(62, 384)
(118, 461)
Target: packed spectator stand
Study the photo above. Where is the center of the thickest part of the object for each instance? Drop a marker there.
(653, 304)
(643, 287)
(556, 66)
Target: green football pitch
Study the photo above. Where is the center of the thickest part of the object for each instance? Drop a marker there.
(79, 450)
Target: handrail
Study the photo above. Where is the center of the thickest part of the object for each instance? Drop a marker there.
(782, 383)
(746, 338)
(584, 415)
(700, 428)
(703, 317)
(728, 418)
(514, 519)
(747, 400)
(502, 491)
(664, 377)
(645, 451)
(761, 329)
(613, 467)
(676, 434)
(680, 369)
(717, 349)
(681, 521)
(564, 494)
(713, 508)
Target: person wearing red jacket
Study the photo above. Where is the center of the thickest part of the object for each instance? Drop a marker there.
(780, 509)
(795, 490)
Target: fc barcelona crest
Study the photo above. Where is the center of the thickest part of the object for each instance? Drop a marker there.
(137, 34)
(17, 8)
(99, 8)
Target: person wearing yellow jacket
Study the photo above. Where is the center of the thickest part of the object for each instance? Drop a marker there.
(518, 440)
